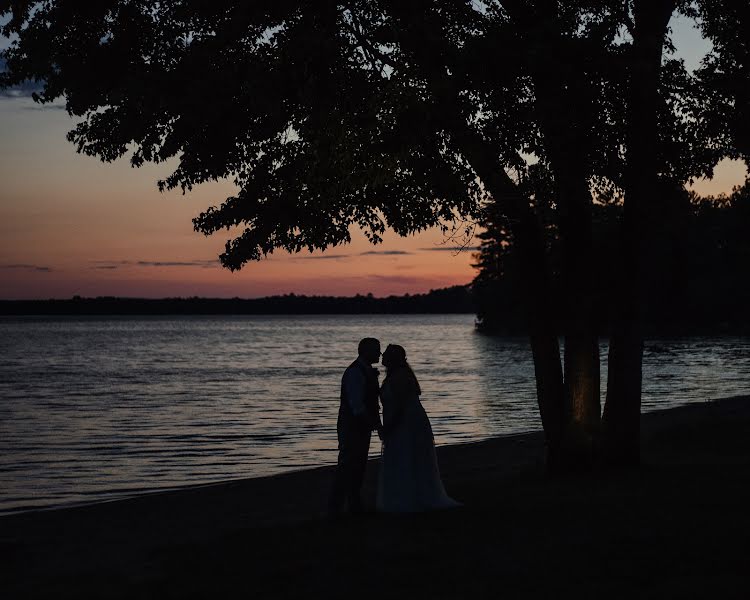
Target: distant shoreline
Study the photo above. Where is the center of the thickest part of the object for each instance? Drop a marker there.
(458, 299)
(451, 300)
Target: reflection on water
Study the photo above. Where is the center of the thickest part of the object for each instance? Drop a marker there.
(92, 408)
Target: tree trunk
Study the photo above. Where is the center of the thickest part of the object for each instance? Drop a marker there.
(550, 394)
(621, 421)
(563, 140)
(542, 324)
(622, 411)
(530, 245)
(531, 248)
(581, 356)
(545, 347)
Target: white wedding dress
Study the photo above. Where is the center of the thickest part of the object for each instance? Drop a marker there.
(409, 478)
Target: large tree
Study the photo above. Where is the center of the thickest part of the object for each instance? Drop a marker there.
(384, 113)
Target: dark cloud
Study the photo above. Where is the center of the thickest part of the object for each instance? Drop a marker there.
(44, 107)
(367, 253)
(110, 264)
(25, 267)
(23, 90)
(116, 264)
(409, 282)
(322, 257)
(405, 279)
(177, 263)
(452, 249)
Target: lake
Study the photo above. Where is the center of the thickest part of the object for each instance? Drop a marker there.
(103, 407)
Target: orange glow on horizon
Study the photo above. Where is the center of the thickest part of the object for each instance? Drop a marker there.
(71, 225)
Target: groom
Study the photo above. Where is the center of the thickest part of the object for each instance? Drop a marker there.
(359, 415)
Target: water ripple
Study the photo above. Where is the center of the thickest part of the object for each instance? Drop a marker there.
(97, 408)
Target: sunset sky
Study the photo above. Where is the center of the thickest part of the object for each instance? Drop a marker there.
(70, 224)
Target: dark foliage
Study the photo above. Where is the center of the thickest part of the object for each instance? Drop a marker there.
(384, 113)
(696, 282)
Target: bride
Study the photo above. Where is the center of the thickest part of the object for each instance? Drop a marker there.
(409, 479)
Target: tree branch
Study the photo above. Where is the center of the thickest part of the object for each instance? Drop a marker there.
(367, 47)
(518, 10)
(629, 24)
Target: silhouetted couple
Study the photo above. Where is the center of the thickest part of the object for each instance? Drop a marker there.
(409, 478)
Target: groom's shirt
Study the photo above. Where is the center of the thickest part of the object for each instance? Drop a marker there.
(355, 387)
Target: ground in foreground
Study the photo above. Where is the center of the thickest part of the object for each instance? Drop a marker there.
(677, 527)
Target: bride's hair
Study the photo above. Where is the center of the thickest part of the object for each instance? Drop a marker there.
(394, 360)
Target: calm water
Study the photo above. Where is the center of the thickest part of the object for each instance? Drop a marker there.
(96, 408)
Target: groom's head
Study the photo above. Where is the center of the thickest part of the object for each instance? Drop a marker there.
(369, 350)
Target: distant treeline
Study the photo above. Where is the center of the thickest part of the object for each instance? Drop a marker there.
(456, 299)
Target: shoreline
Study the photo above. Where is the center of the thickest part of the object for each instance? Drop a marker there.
(692, 490)
(142, 493)
(291, 471)
(449, 453)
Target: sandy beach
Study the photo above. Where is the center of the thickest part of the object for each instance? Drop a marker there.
(676, 527)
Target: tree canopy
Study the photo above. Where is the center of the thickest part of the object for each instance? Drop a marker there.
(699, 282)
(383, 113)
(329, 115)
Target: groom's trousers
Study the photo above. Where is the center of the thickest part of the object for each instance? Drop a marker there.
(354, 448)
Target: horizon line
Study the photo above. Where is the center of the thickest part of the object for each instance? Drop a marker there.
(77, 298)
